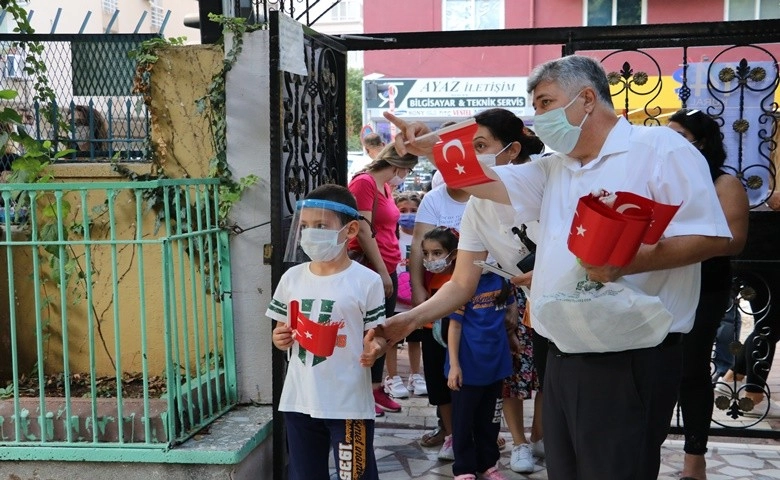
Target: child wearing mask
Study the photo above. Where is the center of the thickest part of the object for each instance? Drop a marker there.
(478, 361)
(407, 203)
(327, 400)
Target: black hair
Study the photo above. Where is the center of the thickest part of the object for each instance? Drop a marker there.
(507, 128)
(446, 236)
(706, 131)
(407, 196)
(338, 194)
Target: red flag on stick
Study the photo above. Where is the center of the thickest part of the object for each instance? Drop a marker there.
(601, 234)
(318, 338)
(455, 157)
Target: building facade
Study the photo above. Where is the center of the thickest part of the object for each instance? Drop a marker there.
(439, 84)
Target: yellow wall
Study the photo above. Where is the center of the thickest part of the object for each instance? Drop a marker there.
(183, 136)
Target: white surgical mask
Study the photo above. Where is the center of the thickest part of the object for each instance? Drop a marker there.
(489, 159)
(438, 265)
(554, 129)
(395, 181)
(321, 245)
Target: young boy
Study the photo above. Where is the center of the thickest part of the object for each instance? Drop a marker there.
(327, 399)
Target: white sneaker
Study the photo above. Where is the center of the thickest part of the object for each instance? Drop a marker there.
(446, 453)
(417, 385)
(395, 387)
(522, 461)
(537, 448)
(726, 387)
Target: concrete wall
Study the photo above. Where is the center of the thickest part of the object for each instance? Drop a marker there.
(249, 116)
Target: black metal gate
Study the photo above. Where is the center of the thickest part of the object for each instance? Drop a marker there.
(308, 149)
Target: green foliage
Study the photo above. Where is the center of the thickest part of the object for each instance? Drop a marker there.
(354, 108)
(212, 105)
(7, 392)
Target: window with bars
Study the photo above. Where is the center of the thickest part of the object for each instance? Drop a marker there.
(472, 14)
(752, 9)
(110, 6)
(158, 14)
(614, 12)
(346, 11)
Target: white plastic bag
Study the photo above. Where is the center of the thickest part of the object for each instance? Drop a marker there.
(581, 316)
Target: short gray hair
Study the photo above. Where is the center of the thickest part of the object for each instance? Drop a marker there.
(572, 74)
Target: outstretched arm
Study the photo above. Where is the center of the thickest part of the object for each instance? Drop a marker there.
(451, 296)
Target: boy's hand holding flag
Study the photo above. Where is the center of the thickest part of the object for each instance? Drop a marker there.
(318, 338)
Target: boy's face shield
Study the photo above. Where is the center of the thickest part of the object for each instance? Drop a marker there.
(327, 231)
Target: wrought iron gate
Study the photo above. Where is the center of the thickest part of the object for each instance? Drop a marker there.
(308, 149)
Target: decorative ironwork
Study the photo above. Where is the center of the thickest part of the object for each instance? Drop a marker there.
(637, 84)
(746, 404)
(736, 92)
(744, 80)
(312, 124)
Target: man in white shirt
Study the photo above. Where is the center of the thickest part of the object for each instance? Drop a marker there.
(606, 414)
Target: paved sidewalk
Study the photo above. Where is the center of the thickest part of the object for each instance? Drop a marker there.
(401, 457)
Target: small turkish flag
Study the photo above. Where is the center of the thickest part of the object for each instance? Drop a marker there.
(594, 226)
(601, 234)
(455, 157)
(318, 338)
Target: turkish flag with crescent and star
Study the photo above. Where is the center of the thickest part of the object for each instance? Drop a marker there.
(318, 338)
(602, 234)
(455, 157)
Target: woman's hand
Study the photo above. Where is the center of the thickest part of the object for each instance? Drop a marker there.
(373, 347)
(282, 336)
(406, 141)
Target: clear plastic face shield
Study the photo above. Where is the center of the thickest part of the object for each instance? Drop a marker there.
(318, 231)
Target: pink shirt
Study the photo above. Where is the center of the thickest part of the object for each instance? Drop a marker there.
(385, 217)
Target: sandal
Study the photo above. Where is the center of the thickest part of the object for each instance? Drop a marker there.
(501, 442)
(433, 439)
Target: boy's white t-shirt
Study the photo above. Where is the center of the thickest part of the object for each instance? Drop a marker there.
(336, 387)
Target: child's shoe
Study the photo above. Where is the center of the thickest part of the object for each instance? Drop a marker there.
(394, 387)
(493, 474)
(417, 385)
(384, 402)
(522, 461)
(446, 452)
(537, 448)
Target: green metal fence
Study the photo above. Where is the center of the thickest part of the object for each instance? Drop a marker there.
(115, 319)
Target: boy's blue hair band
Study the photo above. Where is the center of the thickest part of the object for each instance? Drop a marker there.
(327, 205)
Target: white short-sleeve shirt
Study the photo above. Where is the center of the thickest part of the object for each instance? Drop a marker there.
(336, 387)
(653, 162)
(439, 209)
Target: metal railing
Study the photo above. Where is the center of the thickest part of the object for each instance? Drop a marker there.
(95, 112)
(114, 325)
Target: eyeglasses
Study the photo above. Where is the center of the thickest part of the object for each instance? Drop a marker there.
(692, 112)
